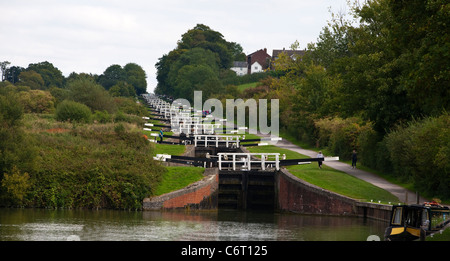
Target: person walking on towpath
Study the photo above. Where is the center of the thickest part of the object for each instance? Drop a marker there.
(354, 159)
(320, 155)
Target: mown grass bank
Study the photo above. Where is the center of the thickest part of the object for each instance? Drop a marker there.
(176, 178)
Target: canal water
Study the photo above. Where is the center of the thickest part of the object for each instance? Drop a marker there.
(223, 225)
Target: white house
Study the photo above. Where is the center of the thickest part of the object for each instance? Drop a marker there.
(256, 68)
(240, 68)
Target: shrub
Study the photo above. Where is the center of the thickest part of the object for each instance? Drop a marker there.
(16, 185)
(73, 111)
(130, 106)
(339, 135)
(37, 101)
(367, 145)
(102, 117)
(420, 151)
(16, 148)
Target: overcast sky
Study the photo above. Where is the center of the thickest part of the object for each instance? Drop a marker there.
(89, 36)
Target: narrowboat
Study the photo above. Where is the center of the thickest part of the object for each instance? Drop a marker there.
(416, 222)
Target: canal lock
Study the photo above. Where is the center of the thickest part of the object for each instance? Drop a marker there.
(243, 189)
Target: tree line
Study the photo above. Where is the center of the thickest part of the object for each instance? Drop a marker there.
(377, 82)
(129, 80)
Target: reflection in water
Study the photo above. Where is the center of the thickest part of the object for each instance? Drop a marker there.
(110, 225)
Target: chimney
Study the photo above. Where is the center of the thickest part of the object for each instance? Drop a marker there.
(265, 50)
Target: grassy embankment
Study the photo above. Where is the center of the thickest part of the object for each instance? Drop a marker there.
(98, 165)
(89, 165)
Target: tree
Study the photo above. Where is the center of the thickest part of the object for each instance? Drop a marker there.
(204, 37)
(51, 75)
(88, 92)
(75, 76)
(12, 73)
(201, 49)
(237, 52)
(131, 73)
(136, 77)
(393, 64)
(420, 39)
(122, 89)
(31, 79)
(112, 75)
(192, 78)
(162, 71)
(193, 69)
(3, 67)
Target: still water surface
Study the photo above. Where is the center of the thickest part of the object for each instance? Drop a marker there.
(111, 225)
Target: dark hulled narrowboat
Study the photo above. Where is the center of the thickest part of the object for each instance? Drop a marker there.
(413, 222)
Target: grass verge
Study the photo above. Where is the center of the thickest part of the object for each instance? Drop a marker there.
(169, 149)
(176, 178)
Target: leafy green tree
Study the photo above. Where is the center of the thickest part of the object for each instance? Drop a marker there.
(420, 39)
(51, 75)
(122, 89)
(88, 92)
(60, 94)
(76, 76)
(195, 77)
(196, 69)
(204, 37)
(131, 73)
(112, 75)
(12, 73)
(198, 48)
(163, 67)
(31, 79)
(391, 71)
(136, 77)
